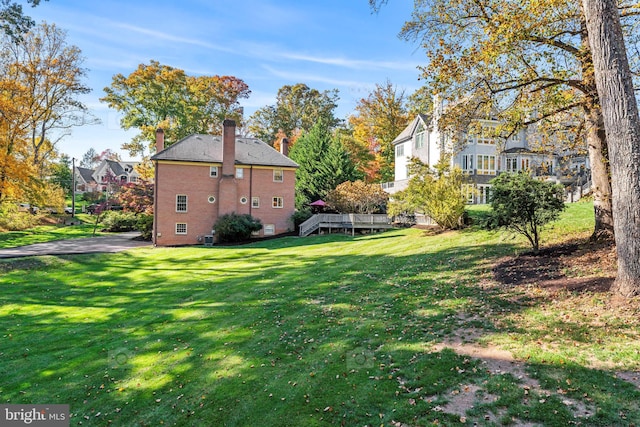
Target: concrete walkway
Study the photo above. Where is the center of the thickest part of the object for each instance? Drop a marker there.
(110, 243)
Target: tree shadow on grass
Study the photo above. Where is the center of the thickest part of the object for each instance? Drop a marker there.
(294, 338)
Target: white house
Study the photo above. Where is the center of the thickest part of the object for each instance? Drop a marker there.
(481, 155)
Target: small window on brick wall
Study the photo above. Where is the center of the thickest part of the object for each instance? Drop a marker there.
(213, 171)
(277, 202)
(181, 228)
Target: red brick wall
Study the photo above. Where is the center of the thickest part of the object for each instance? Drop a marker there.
(192, 180)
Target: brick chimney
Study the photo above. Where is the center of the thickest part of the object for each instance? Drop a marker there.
(159, 140)
(228, 187)
(229, 147)
(284, 147)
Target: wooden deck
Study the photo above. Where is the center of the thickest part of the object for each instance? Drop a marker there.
(344, 222)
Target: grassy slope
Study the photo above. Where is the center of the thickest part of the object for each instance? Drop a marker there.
(326, 330)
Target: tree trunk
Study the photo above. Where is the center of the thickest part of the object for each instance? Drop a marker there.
(596, 147)
(600, 183)
(622, 124)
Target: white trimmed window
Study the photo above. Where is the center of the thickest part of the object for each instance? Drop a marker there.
(467, 163)
(255, 202)
(487, 135)
(213, 171)
(244, 200)
(420, 136)
(512, 164)
(239, 173)
(525, 164)
(277, 203)
(269, 229)
(486, 164)
(484, 194)
(399, 150)
(181, 203)
(181, 228)
(278, 175)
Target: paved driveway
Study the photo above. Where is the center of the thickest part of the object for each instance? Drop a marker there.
(110, 243)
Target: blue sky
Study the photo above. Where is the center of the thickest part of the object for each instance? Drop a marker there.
(325, 44)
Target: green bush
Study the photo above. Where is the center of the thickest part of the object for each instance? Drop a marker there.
(234, 227)
(145, 226)
(120, 221)
(524, 204)
(299, 217)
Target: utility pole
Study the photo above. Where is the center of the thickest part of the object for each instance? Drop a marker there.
(73, 187)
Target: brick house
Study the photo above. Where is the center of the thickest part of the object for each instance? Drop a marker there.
(203, 177)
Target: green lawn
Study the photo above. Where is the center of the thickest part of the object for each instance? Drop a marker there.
(48, 233)
(319, 331)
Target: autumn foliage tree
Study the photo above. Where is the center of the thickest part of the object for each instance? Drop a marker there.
(40, 83)
(524, 62)
(297, 109)
(357, 197)
(136, 197)
(156, 95)
(379, 118)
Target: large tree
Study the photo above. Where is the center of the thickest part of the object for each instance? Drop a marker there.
(40, 83)
(50, 74)
(13, 21)
(324, 164)
(156, 95)
(379, 118)
(524, 62)
(620, 110)
(297, 109)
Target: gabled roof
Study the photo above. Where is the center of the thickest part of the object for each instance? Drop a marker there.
(116, 167)
(208, 149)
(86, 174)
(408, 132)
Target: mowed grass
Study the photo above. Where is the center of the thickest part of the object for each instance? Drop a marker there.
(48, 233)
(318, 331)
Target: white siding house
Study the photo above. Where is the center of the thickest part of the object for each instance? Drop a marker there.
(480, 155)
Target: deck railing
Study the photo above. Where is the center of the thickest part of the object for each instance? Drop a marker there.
(350, 221)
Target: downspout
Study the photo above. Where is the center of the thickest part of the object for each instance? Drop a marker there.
(251, 190)
(155, 204)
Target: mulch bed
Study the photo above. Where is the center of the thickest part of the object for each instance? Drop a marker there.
(574, 266)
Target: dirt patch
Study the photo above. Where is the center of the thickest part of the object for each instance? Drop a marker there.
(574, 266)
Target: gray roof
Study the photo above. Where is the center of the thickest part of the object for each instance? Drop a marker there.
(408, 132)
(208, 149)
(86, 174)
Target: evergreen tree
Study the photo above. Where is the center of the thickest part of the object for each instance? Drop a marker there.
(324, 164)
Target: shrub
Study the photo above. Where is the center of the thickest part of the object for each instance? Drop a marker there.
(119, 221)
(358, 197)
(299, 217)
(11, 219)
(145, 226)
(234, 227)
(438, 193)
(524, 204)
